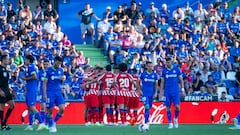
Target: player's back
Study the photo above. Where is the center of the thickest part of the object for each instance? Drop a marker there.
(107, 80)
(124, 83)
(94, 87)
(134, 88)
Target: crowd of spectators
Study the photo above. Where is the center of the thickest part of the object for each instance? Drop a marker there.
(24, 31)
(204, 43)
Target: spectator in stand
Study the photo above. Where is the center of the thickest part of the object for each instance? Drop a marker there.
(38, 14)
(139, 26)
(182, 54)
(225, 97)
(50, 12)
(119, 15)
(108, 37)
(178, 14)
(102, 28)
(50, 26)
(14, 24)
(216, 74)
(187, 87)
(146, 50)
(210, 45)
(133, 13)
(25, 12)
(236, 13)
(58, 33)
(211, 86)
(19, 91)
(127, 43)
(150, 10)
(38, 27)
(204, 74)
(10, 11)
(197, 83)
(86, 25)
(202, 92)
(188, 11)
(114, 45)
(80, 58)
(140, 10)
(225, 11)
(66, 42)
(237, 93)
(3, 12)
(233, 27)
(108, 14)
(165, 13)
(235, 51)
(75, 88)
(226, 65)
(200, 12)
(18, 59)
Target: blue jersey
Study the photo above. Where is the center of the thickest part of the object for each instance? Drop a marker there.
(148, 83)
(31, 85)
(171, 77)
(42, 75)
(53, 77)
(76, 86)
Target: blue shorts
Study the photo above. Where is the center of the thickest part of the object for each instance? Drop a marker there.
(172, 98)
(31, 98)
(41, 99)
(54, 99)
(147, 101)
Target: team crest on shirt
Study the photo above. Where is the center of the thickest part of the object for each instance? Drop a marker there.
(174, 71)
(152, 76)
(59, 72)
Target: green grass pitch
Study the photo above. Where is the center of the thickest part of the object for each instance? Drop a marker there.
(184, 129)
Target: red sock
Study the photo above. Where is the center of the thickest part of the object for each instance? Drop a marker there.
(96, 116)
(89, 113)
(123, 117)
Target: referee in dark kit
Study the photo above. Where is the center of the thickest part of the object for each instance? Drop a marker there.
(5, 93)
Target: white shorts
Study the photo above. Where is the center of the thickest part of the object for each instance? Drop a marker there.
(85, 27)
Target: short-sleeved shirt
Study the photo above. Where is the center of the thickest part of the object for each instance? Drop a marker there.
(171, 79)
(4, 77)
(52, 13)
(53, 79)
(148, 82)
(31, 85)
(86, 16)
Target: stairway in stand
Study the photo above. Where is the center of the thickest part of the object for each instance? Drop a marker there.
(95, 54)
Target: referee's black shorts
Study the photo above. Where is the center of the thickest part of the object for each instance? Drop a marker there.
(8, 96)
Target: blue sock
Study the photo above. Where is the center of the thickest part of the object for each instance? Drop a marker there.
(111, 110)
(43, 115)
(30, 118)
(146, 115)
(58, 116)
(38, 117)
(122, 110)
(108, 111)
(176, 114)
(169, 116)
(49, 120)
(238, 118)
